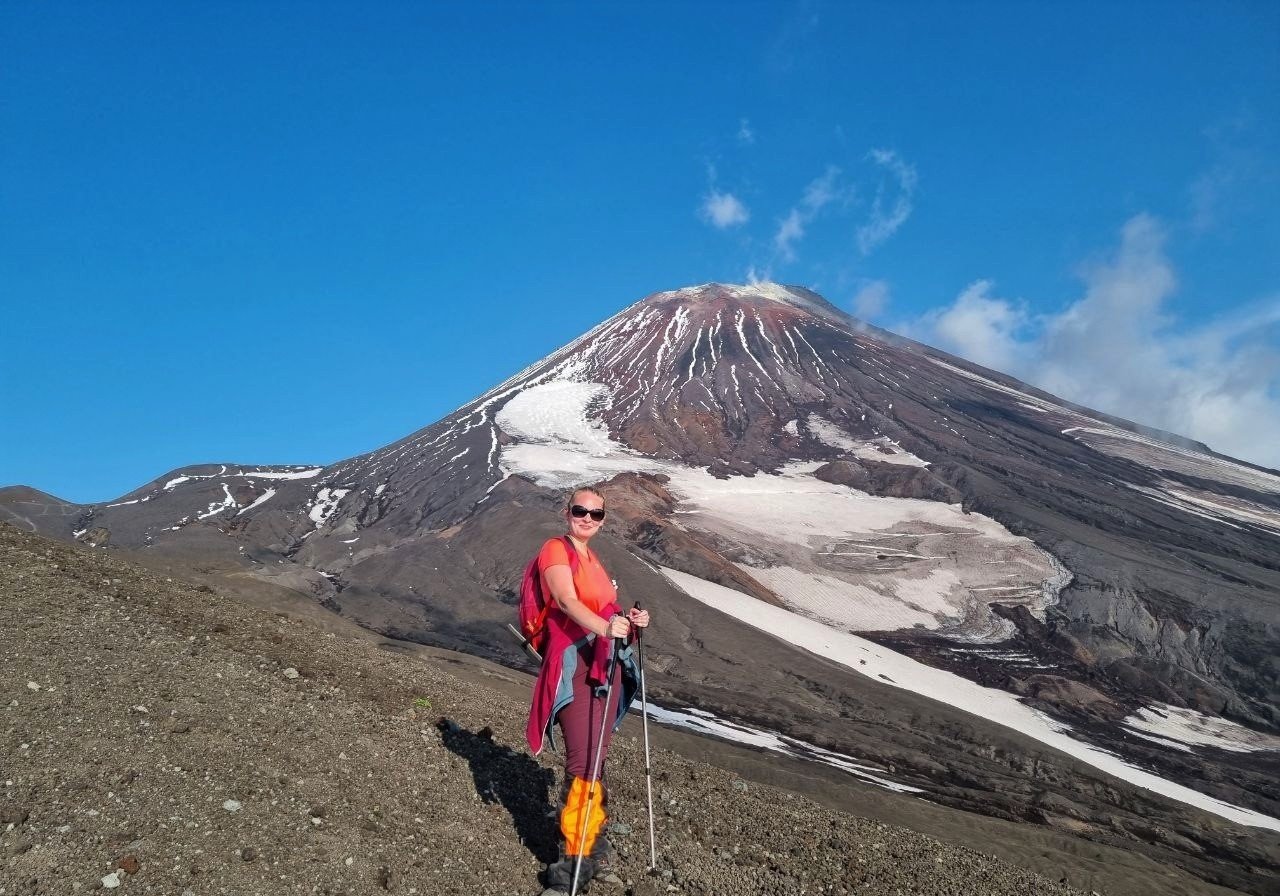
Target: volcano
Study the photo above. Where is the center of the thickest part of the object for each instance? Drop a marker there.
(960, 585)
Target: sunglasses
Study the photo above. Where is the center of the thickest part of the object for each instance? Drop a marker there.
(596, 513)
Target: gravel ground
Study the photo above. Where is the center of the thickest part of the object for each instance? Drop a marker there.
(160, 738)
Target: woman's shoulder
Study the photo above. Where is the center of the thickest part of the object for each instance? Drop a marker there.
(554, 552)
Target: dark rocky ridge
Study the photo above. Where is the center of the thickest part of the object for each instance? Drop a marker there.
(1165, 604)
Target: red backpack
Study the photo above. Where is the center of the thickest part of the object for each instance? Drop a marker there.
(534, 605)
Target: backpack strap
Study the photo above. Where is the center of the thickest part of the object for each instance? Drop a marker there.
(574, 559)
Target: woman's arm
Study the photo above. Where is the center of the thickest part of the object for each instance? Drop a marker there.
(560, 582)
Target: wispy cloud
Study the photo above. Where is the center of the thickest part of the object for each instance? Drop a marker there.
(835, 196)
(793, 40)
(1118, 349)
(1206, 196)
(1222, 185)
(790, 231)
(746, 135)
(723, 210)
(819, 193)
(871, 299)
(893, 201)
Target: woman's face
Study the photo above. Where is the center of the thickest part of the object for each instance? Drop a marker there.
(583, 527)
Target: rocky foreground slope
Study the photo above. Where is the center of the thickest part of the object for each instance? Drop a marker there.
(161, 738)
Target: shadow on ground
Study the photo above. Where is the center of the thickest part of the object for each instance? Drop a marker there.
(512, 780)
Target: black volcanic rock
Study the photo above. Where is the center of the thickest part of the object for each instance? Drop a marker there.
(889, 480)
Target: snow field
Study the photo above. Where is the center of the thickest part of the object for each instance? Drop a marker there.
(326, 502)
(308, 473)
(555, 413)
(902, 672)
(1194, 729)
(704, 722)
(882, 449)
(837, 603)
(825, 554)
(259, 501)
(795, 518)
(1225, 506)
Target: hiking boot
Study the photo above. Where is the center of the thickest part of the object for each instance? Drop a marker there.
(559, 876)
(601, 857)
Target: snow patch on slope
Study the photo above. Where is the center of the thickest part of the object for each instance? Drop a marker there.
(1159, 455)
(871, 563)
(883, 449)
(307, 473)
(326, 502)
(852, 559)
(881, 664)
(557, 413)
(216, 507)
(843, 605)
(704, 722)
(1195, 729)
(1227, 509)
(259, 501)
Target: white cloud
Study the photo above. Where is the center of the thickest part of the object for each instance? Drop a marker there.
(724, 210)
(745, 134)
(871, 299)
(831, 194)
(892, 205)
(823, 191)
(1206, 195)
(981, 327)
(790, 231)
(819, 193)
(1235, 163)
(1118, 350)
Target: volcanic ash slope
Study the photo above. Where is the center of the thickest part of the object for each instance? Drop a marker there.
(162, 738)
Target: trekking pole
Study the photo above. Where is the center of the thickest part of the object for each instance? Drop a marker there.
(595, 768)
(648, 772)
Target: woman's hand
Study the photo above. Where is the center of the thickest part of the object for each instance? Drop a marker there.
(619, 626)
(639, 618)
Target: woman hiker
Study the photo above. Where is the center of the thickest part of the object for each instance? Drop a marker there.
(570, 691)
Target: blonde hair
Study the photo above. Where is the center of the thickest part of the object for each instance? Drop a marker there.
(591, 490)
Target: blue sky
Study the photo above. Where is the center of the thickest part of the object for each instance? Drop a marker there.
(291, 233)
